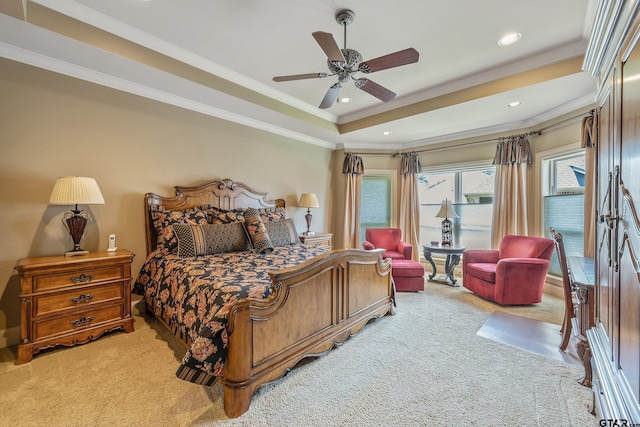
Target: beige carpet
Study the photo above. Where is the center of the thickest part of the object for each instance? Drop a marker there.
(424, 366)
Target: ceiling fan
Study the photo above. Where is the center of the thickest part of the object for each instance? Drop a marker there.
(344, 63)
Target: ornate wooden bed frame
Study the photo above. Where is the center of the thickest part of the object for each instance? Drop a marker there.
(313, 307)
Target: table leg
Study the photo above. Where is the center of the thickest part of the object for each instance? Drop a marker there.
(427, 256)
(452, 261)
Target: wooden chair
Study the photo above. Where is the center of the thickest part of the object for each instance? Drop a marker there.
(568, 288)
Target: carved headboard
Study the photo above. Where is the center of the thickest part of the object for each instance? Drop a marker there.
(224, 194)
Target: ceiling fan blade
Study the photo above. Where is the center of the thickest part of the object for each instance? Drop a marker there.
(402, 57)
(331, 96)
(373, 88)
(329, 46)
(299, 77)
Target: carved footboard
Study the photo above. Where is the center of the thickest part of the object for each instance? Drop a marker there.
(314, 307)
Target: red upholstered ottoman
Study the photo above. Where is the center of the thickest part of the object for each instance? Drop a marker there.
(408, 275)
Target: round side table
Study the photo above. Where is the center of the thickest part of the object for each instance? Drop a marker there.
(453, 253)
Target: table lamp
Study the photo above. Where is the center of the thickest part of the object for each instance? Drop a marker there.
(76, 190)
(308, 200)
(446, 211)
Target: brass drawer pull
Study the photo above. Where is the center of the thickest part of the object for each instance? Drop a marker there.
(82, 298)
(83, 278)
(82, 321)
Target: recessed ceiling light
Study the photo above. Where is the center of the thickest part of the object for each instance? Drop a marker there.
(509, 39)
(514, 104)
(386, 132)
(345, 100)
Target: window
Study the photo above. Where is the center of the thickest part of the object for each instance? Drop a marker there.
(470, 189)
(376, 200)
(563, 200)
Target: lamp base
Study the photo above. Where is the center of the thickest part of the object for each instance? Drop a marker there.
(76, 253)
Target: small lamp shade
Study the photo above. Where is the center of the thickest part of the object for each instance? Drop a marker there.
(76, 190)
(308, 200)
(446, 211)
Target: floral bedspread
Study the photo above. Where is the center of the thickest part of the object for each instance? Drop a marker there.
(194, 295)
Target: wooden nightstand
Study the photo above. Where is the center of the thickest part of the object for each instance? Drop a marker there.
(68, 301)
(323, 240)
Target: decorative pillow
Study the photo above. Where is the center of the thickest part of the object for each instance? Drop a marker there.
(272, 214)
(217, 215)
(282, 233)
(164, 218)
(256, 231)
(209, 239)
(222, 216)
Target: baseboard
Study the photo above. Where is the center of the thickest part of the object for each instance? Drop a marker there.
(553, 286)
(9, 337)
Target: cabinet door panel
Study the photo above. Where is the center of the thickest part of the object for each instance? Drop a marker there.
(628, 232)
(604, 206)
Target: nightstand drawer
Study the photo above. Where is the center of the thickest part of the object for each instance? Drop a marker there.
(76, 321)
(79, 277)
(324, 240)
(77, 298)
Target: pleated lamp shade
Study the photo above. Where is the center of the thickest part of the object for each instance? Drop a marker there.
(76, 190)
(308, 200)
(446, 210)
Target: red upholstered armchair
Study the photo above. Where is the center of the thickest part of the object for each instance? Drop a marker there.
(512, 275)
(389, 239)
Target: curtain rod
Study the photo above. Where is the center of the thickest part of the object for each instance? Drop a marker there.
(534, 132)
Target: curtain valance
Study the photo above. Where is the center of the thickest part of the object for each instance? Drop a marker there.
(352, 164)
(513, 149)
(589, 131)
(410, 163)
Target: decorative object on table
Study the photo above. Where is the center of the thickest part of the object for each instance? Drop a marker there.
(308, 200)
(76, 190)
(446, 211)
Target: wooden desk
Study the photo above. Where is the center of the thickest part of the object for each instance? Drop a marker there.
(582, 272)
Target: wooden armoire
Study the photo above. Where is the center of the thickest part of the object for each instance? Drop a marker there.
(613, 56)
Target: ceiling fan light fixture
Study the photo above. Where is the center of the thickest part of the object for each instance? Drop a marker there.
(344, 63)
(509, 39)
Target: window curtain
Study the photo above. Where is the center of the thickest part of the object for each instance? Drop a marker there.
(409, 201)
(353, 169)
(513, 156)
(589, 143)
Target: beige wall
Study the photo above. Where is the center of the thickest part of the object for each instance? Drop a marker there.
(52, 125)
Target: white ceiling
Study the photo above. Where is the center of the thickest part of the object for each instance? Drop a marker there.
(250, 41)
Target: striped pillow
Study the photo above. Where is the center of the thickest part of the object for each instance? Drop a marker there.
(210, 239)
(256, 231)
